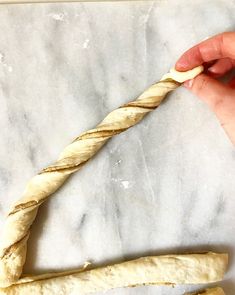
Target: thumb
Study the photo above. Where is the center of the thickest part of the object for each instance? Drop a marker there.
(219, 97)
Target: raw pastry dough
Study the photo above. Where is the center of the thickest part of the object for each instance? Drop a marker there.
(212, 291)
(182, 76)
(155, 270)
(16, 232)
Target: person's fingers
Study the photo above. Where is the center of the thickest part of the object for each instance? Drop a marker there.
(217, 47)
(208, 89)
(221, 67)
(219, 97)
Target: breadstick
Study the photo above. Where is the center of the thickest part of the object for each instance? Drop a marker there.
(16, 232)
(153, 270)
(212, 291)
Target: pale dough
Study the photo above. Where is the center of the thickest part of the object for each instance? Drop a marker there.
(183, 76)
(153, 270)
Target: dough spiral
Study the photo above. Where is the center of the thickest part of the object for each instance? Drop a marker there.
(16, 232)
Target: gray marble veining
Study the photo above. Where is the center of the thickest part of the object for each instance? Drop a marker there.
(166, 185)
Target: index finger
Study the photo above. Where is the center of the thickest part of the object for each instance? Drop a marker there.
(219, 46)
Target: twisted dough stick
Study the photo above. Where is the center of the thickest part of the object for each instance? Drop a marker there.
(16, 232)
(153, 270)
(213, 291)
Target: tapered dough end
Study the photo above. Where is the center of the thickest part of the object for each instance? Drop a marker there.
(183, 76)
(212, 291)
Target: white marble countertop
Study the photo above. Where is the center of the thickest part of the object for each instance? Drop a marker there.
(167, 185)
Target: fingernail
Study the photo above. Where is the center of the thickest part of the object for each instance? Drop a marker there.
(188, 83)
(181, 66)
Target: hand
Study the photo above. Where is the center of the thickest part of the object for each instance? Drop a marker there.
(217, 54)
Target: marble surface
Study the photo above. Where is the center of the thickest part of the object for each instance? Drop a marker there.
(165, 186)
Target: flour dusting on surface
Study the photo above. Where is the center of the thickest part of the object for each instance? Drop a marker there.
(4, 64)
(86, 44)
(122, 182)
(2, 57)
(57, 16)
(118, 162)
(125, 184)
